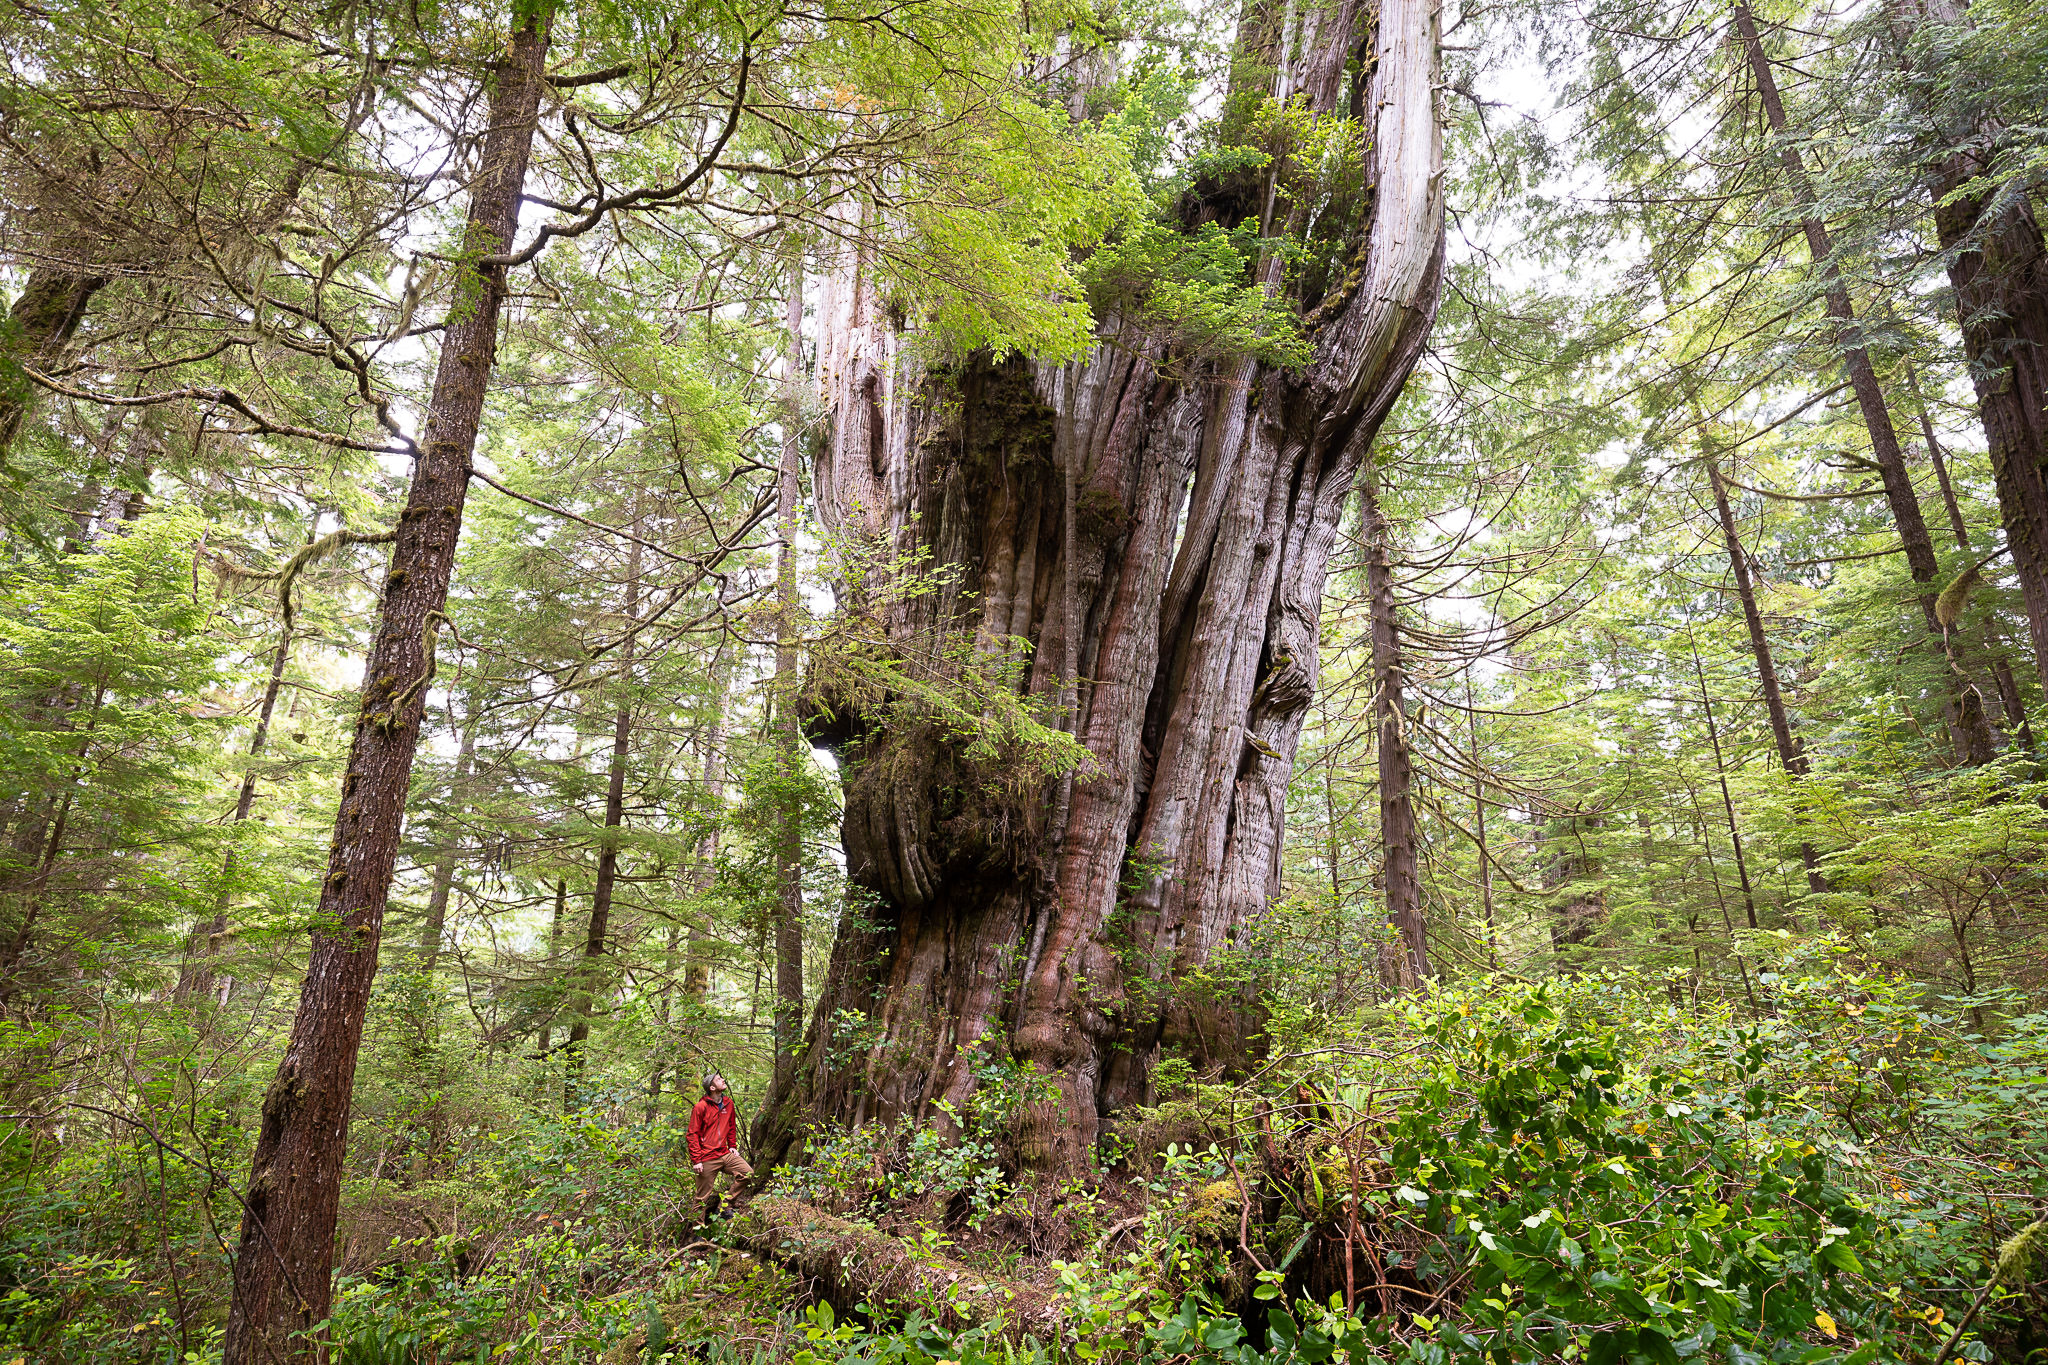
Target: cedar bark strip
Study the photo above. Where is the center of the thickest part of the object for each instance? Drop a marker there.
(1176, 593)
(284, 1262)
(1966, 704)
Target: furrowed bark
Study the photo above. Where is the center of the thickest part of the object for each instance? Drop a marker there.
(1055, 927)
(40, 325)
(1998, 268)
(283, 1263)
(1791, 750)
(1966, 704)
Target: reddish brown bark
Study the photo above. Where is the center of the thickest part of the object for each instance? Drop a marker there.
(1966, 705)
(1175, 594)
(284, 1260)
(1998, 268)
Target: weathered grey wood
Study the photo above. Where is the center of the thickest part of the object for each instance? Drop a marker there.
(1159, 535)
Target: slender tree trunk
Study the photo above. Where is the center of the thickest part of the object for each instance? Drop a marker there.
(1727, 798)
(45, 854)
(1479, 831)
(1404, 959)
(435, 926)
(1001, 914)
(590, 971)
(789, 848)
(2009, 701)
(546, 1035)
(1966, 705)
(696, 955)
(1998, 269)
(1791, 750)
(283, 1263)
(203, 945)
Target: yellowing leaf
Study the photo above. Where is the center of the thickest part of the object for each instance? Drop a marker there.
(1826, 1324)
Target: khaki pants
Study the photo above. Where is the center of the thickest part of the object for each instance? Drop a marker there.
(732, 1163)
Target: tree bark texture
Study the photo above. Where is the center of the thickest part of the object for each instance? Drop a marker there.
(284, 1260)
(1404, 957)
(1998, 268)
(1182, 579)
(1966, 704)
(40, 325)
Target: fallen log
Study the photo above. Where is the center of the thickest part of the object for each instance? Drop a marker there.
(854, 1266)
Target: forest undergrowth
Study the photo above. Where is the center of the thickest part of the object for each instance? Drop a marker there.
(1590, 1168)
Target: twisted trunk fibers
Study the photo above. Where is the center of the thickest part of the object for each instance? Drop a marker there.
(284, 1261)
(1183, 581)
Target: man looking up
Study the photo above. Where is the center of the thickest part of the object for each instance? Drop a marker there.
(714, 1143)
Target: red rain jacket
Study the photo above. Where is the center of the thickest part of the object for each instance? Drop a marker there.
(713, 1131)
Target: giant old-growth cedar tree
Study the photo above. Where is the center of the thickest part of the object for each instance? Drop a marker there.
(1157, 525)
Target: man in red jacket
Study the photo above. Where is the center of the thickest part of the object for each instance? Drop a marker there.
(714, 1142)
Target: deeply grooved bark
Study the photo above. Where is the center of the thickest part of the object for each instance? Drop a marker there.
(1056, 922)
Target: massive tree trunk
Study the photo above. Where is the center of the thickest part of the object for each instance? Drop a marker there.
(1998, 267)
(1175, 595)
(284, 1262)
(1966, 705)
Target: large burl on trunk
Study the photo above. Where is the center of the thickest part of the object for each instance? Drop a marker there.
(1157, 526)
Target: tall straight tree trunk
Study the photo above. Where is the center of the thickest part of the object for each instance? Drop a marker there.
(202, 947)
(1998, 269)
(1003, 913)
(590, 971)
(1966, 704)
(697, 955)
(789, 844)
(284, 1261)
(1404, 959)
(1791, 750)
(435, 926)
(2009, 699)
(1727, 797)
